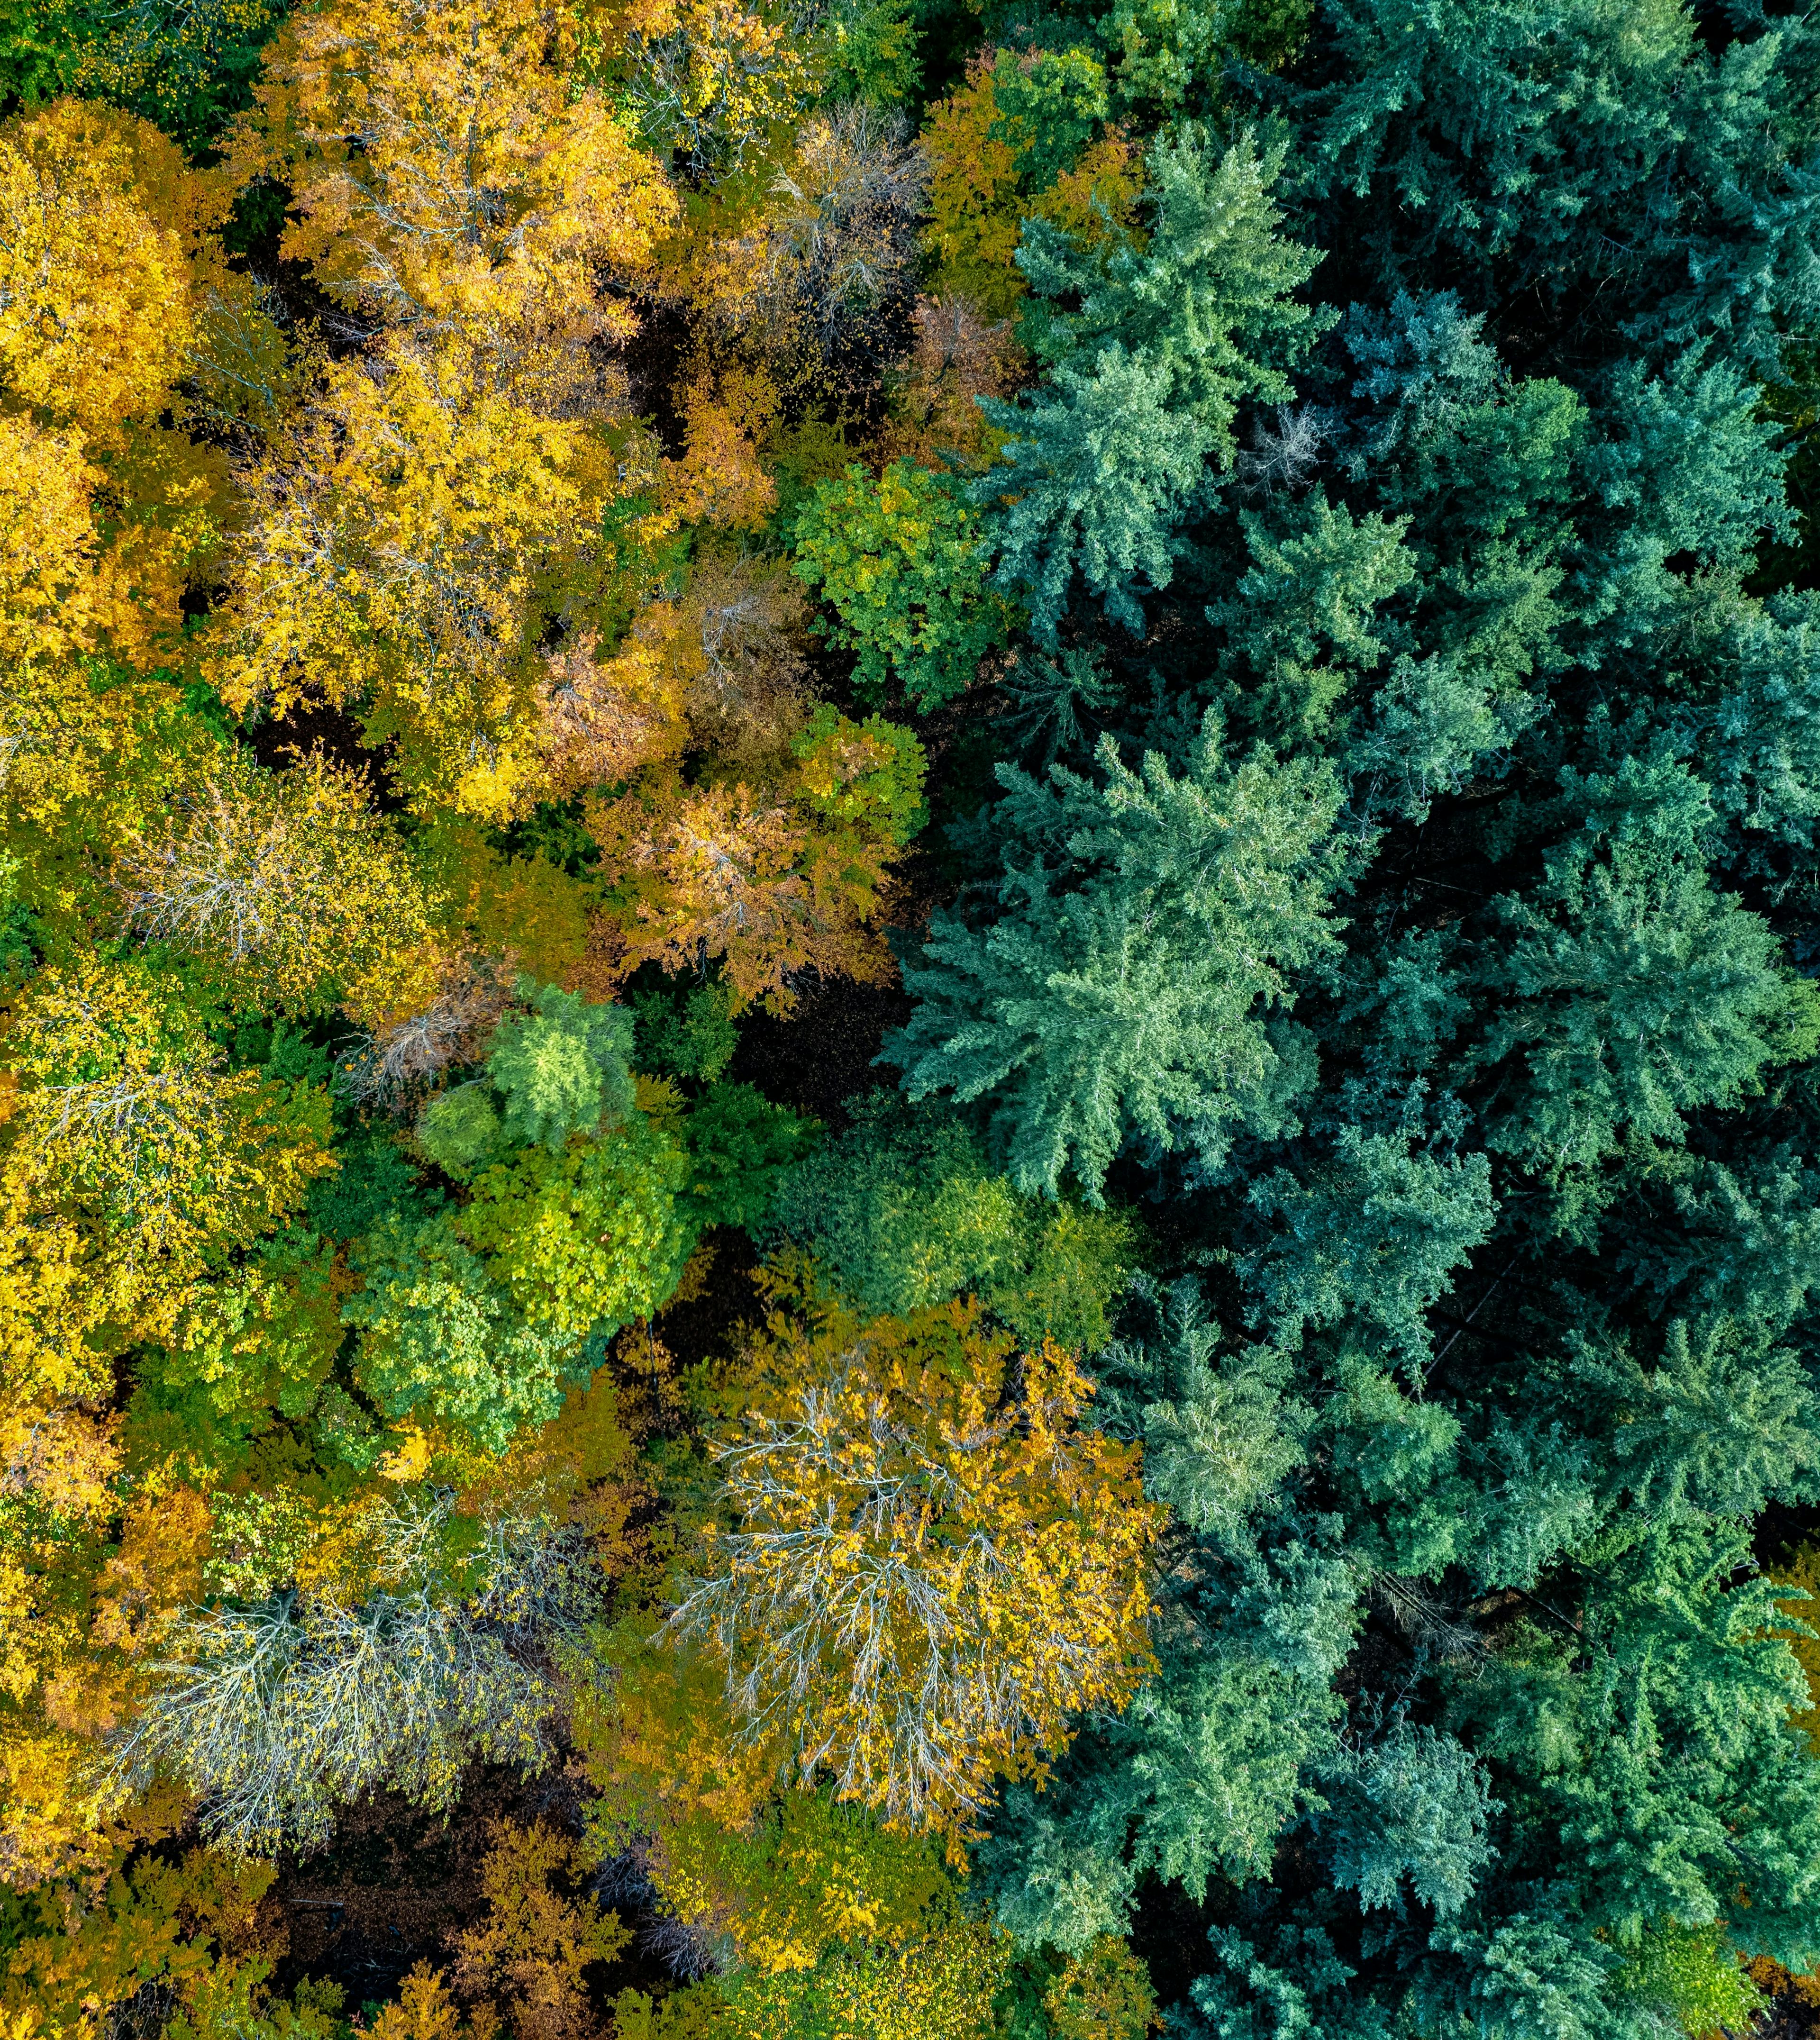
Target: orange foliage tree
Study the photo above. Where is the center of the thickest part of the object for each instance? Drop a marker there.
(990, 169)
(774, 880)
(527, 1956)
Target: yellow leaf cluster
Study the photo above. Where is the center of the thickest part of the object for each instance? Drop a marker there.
(155, 1921)
(114, 288)
(1104, 1993)
(704, 77)
(425, 2011)
(291, 885)
(807, 1874)
(977, 209)
(720, 479)
(406, 542)
(444, 173)
(98, 297)
(928, 1582)
(122, 1128)
(527, 1955)
(48, 598)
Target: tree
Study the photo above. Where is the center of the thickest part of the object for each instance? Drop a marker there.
(1210, 294)
(277, 1712)
(445, 177)
(440, 1337)
(138, 1161)
(1553, 163)
(1107, 1992)
(1097, 476)
(289, 883)
(1123, 993)
(833, 281)
(900, 561)
(113, 288)
(903, 1215)
(1645, 994)
(562, 1068)
(587, 1239)
(104, 222)
(159, 1920)
(603, 720)
(407, 541)
(957, 358)
(977, 1569)
(1149, 373)
(775, 880)
(1176, 60)
(424, 2011)
(704, 80)
(534, 1942)
(939, 1986)
(1016, 143)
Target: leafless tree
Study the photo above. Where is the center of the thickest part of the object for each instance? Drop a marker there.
(1284, 456)
(391, 1070)
(835, 275)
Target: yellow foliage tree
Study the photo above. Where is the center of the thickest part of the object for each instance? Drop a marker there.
(926, 1582)
(977, 203)
(291, 885)
(98, 304)
(703, 77)
(129, 1167)
(153, 1922)
(600, 720)
(805, 1875)
(113, 288)
(716, 668)
(425, 2011)
(47, 546)
(1104, 1993)
(720, 479)
(526, 1958)
(974, 221)
(773, 878)
(406, 544)
(132, 1169)
(445, 175)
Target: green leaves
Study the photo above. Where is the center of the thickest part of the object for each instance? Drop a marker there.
(1587, 152)
(441, 1336)
(1126, 992)
(1210, 299)
(901, 562)
(1411, 1804)
(1644, 1751)
(1374, 1234)
(559, 1070)
(1103, 467)
(904, 1213)
(563, 1068)
(1635, 993)
(1097, 475)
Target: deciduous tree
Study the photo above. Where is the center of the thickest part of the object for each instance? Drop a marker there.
(925, 1584)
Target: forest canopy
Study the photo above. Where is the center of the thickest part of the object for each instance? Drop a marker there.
(909, 1020)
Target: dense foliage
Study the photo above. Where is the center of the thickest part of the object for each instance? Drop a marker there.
(910, 1017)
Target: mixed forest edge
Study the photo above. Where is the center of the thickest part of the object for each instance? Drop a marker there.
(909, 1020)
